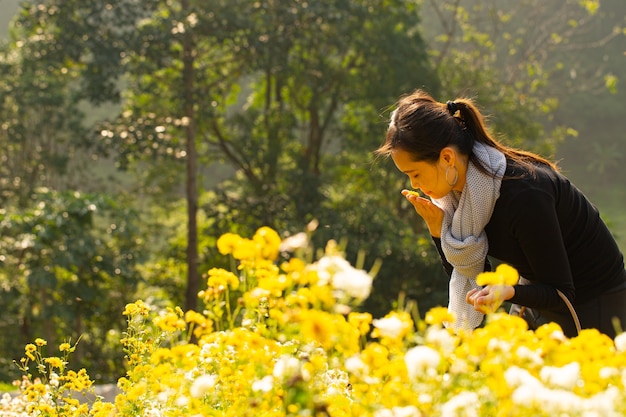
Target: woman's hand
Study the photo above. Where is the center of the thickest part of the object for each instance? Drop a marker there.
(489, 299)
(432, 215)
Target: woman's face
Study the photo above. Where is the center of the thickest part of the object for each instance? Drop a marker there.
(428, 177)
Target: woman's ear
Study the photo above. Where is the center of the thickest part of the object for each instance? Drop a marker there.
(447, 156)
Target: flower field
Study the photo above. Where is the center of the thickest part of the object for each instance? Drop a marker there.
(281, 335)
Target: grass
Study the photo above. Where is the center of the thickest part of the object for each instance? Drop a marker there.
(6, 387)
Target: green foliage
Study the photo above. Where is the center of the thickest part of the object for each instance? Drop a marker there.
(289, 96)
(67, 266)
(40, 129)
(273, 86)
(86, 37)
(520, 73)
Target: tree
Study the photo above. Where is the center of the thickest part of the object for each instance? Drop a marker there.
(92, 39)
(176, 70)
(288, 95)
(67, 269)
(315, 109)
(41, 132)
(548, 74)
(520, 59)
(292, 67)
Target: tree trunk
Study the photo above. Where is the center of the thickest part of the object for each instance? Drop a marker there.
(191, 296)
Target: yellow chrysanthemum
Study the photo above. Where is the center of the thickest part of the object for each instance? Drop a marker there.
(268, 241)
(29, 351)
(201, 324)
(503, 275)
(78, 381)
(138, 308)
(55, 362)
(45, 410)
(227, 243)
(194, 317)
(318, 326)
(300, 353)
(170, 321)
(294, 265)
(246, 249)
(269, 277)
(360, 321)
(376, 357)
(274, 284)
(221, 279)
(439, 316)
(102, 409)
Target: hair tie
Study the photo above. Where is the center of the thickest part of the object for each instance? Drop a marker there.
(452, 107)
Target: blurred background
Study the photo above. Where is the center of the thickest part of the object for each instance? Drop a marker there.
(133, 133)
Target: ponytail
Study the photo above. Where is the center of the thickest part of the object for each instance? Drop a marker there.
(422, 126)
(475, 123)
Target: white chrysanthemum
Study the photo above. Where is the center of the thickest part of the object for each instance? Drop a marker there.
(15, 405)
(498, 345)
(390, 326)
(465, 404)
(259, 293)
(531, 392)
(558, 335)
(181, 401)
(421, 360)
(441, 338)
(286, 367)
(459, 367)
(202, 385)
(534, 356)
(620, 342)
(408, 411)
(336, 382)
(206, 353)
(164, 396)
(604, 404)
(607, 372)
(525, 395)
(54, 379)
(353, 282)
(355, 365)
(557, 401)
(336, 271)
(385, 412)
(561, 377)
(152, 411)
(515, 377)
(264, 384)
(328, 266)
(425, 398)
(295, 242)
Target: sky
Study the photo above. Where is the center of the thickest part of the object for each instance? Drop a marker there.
(8, 8)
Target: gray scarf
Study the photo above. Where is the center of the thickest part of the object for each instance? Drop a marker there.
(463, 238)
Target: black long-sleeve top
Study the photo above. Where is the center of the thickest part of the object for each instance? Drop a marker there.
(547, 229)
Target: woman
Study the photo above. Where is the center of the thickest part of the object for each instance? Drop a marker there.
(484, 198)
